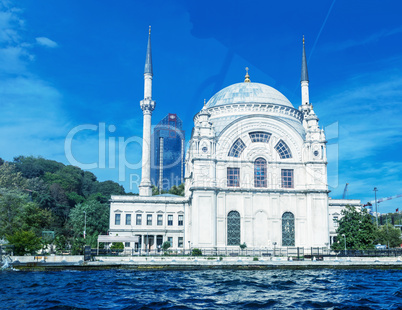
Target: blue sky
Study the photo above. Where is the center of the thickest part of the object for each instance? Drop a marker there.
(74, 63)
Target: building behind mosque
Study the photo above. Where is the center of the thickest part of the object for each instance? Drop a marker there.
(168, 153)
(255, 173)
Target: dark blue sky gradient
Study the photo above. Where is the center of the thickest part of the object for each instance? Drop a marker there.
(93, 73)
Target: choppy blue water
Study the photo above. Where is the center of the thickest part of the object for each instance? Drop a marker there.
(203, 289)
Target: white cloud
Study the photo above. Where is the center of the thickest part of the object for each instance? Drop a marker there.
(33, 120)
(46, 42)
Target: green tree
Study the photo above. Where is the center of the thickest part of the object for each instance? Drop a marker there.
(34, 218)
(155, 191)
(11, 178)
(108, 188)
(25, 242)
(358, 228)
(177, 190)
(11, 206)
(32, 167)
(389, 235)
(97, 219)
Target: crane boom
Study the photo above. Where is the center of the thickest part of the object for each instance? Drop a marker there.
(345, 191)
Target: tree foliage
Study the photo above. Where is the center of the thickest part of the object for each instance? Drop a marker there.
(38, 194)
(389, 236)
(25, 242)
(358, 228)
(97, 220)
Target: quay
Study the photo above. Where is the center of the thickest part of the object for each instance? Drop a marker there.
(76, 262)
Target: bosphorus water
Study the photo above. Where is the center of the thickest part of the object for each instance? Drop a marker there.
(202, 289)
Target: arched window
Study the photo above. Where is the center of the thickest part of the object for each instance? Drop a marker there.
(259, 136)
(260, 172)
(283, 150)
(233, 228)
(288, 229)
(237, 148)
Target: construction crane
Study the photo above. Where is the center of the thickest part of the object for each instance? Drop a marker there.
(382, 199)
(345, 191)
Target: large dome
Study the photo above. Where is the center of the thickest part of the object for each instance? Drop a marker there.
(248, 93)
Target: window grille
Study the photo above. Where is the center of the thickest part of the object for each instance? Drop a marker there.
(287, 178)
(237, 148)
(138, 220)
(233, 228)
(128, 219)
(283, 150)
(233, 176)
(288, 229)
(117, 219)
(260, 172)
(259, 136)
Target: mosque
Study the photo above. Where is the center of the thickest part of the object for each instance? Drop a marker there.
(255, 173)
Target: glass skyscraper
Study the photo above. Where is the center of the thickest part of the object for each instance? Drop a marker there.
(168, 153)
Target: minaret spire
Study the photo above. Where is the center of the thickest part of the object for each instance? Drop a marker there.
(148, 60)
(304, 79)
(147, 106)
(304, 72)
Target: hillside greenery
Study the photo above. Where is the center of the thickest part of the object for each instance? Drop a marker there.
(38, 195)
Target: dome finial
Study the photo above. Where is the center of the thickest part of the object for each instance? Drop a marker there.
(247, 77)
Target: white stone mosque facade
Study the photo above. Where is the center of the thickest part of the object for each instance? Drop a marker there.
(255, 173)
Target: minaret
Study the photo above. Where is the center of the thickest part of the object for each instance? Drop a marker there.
(147, 106)
(304, 79)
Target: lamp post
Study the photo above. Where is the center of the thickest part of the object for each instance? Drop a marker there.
(189, 248)
(375, 197)
(274, 243)
(85, 225)
(345, 242)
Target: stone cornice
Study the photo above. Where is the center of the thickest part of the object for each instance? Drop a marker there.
(258, 190)
(145, 199)
(269, 108)
(148, 230)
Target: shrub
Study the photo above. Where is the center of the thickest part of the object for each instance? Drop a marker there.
(117, 246)
(165, 245)
(196, 252)
(255, 259)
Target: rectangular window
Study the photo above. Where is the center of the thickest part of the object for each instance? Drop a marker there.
(128, 219)
(170, 240)
(170, 220)
(180, 219)
(180, 242)
(233, 177)
(117, 219)
(287, 178)
(160, 220)
(127, 244)
(149, 219)
(138, 220)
